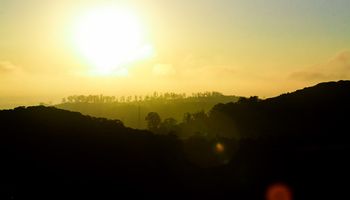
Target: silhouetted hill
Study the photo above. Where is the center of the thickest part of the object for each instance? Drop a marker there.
(320, 111)
(321, 92)
(51, 151)
(300, 139)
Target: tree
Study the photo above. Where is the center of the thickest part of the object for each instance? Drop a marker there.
(187, 118)
(168, 122)
(200, 116)
(153, 121)
(252, 99)
(168, 126)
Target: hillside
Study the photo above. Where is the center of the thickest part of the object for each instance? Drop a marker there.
(133, 111)
(318, 111)
(300, 139)
(48, 151)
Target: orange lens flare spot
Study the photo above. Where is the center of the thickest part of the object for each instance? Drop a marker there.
(219, 148)
(278, 191)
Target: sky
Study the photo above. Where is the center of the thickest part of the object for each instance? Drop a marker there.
(260, 47)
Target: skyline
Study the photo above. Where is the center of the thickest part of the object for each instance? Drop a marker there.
(246, 48)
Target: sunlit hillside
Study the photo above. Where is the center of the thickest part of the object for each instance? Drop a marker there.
(132, 110)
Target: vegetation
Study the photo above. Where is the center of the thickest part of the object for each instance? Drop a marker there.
(236, 150)
(153, 121)
(314, 112)
(132, 110)
(155, 97)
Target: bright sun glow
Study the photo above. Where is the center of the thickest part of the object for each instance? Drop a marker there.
(109, 38)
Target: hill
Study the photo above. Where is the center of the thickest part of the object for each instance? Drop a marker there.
(133, 110)
(298, 139)
(318, 111)
(48, 152)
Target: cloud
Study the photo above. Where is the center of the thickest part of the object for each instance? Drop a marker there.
(341, 58)
(308, 75)
(217, 71)
(7, 66)
(338, 67)
(164, 70)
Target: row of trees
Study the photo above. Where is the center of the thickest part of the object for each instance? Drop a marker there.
(196, 122)
(155, 123)
(201, 123)
(168, 96)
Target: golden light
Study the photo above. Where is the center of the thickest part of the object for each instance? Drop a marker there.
(219, 148)
(279, 191)
(110, 38)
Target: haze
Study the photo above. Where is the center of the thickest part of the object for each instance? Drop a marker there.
(261, 47)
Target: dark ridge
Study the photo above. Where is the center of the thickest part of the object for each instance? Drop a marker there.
(238, 150)
(319, 92)
(315, 112)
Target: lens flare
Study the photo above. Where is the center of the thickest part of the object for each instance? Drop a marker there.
(278, 191)
(219, 148)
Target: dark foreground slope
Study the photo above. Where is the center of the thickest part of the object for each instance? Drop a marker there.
(47, 151)
(300, 139)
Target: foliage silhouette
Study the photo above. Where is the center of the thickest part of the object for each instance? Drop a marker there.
(130, 109)
(300, 139)
(153, 121)
(314, 112)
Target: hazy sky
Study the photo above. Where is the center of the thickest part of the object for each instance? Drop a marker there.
(260, 47)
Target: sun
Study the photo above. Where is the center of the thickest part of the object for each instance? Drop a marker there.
(110, 38)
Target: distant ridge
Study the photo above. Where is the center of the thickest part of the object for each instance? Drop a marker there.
(331, 89)
(300, 138)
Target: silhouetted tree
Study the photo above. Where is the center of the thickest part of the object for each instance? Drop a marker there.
(187, 117)
(168, 125)
(252, 99)
(153, 121)
(300, 138)
(169, 122)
